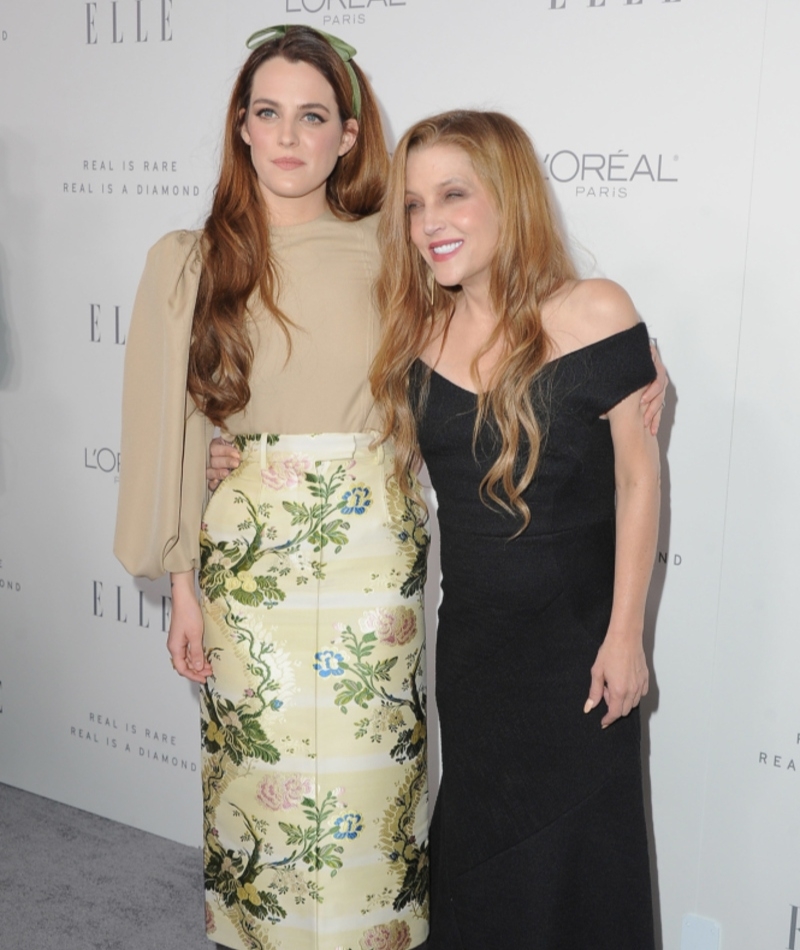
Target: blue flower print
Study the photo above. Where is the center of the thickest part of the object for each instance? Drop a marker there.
(328, 663)
(356, 500)
(348, 826)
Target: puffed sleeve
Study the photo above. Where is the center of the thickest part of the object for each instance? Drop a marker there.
(162, 488)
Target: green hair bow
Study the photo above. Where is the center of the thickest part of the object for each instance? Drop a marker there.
(344, 50)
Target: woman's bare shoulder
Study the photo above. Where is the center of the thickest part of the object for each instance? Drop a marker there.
(585, 311)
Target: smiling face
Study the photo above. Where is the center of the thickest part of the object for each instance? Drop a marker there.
(295, 135)
(453, 220)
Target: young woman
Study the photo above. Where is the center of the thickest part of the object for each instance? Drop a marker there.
(308, 643)
(521, 387)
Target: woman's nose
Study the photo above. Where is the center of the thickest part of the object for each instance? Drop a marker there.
(287, 133)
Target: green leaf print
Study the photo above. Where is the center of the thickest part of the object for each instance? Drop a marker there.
(261, 904)
(301, 513)
(267, 592)
(383, 668)
(233, 875)
(328, 857)
(415, 582)
(364, 684)
(294, 833)
(234, 731)
(416, 882)
(332, 532)
(351, 691)
(242, 441)
(226, 567)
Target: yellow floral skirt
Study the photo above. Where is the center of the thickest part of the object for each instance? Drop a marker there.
(313, 725)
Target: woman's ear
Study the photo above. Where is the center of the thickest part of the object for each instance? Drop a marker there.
(243, 129)
(349, 136)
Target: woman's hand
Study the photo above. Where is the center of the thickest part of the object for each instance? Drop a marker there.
(619, 676)
(185, 639)
(654, 398)
(223, 459)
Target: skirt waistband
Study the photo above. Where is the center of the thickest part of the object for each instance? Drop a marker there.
(325, 446)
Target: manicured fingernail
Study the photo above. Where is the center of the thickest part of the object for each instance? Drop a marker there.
(588, 706)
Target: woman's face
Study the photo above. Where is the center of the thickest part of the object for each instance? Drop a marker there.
(453, 220)
(295, 136)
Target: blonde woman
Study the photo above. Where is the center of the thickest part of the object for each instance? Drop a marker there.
(521, 387)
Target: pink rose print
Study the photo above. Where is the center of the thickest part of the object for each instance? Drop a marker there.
(210, 925)
(270, 792)
(284, 791)
(395, 627)
(285, 473)
(393, 936)
(295, 789)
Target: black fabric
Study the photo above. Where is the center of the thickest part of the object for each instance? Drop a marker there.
(538, 838)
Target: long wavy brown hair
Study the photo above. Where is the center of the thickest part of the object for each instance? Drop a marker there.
(237, 261)
(530, 264)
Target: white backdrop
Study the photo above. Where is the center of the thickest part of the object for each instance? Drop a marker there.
(668, 130)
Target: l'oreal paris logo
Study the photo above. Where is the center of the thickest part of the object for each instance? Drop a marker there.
(566, 165)
(562, 4)
(128, 21)
(103, 459)
(336, 6)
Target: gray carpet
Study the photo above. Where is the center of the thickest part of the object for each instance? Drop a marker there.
(70, 880)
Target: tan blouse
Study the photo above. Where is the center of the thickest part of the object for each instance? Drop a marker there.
(327, 268)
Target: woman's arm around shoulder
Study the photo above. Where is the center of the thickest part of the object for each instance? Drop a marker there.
(598, 308)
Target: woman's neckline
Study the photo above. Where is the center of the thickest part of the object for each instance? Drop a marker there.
(327, 215)
(552, 362)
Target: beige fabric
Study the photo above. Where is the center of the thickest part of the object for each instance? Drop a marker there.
(327, 270)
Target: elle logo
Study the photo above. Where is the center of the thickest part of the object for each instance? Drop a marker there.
(121, 606)
(128, 19)
(95, 318)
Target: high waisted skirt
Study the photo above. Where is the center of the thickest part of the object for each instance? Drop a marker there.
(313, 724)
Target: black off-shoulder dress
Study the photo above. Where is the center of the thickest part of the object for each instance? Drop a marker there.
(538, 837)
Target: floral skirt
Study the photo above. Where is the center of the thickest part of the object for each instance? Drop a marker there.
(313, 725)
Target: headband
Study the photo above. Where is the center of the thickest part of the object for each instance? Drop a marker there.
(344, 50)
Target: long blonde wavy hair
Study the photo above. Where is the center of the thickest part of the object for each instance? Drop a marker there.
(531, 263)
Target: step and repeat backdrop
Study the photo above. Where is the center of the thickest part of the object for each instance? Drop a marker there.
(668, 132)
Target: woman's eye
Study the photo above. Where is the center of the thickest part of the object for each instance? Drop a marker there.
(454, 194)
(266, 113)
(314, 117)
(411, 206)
